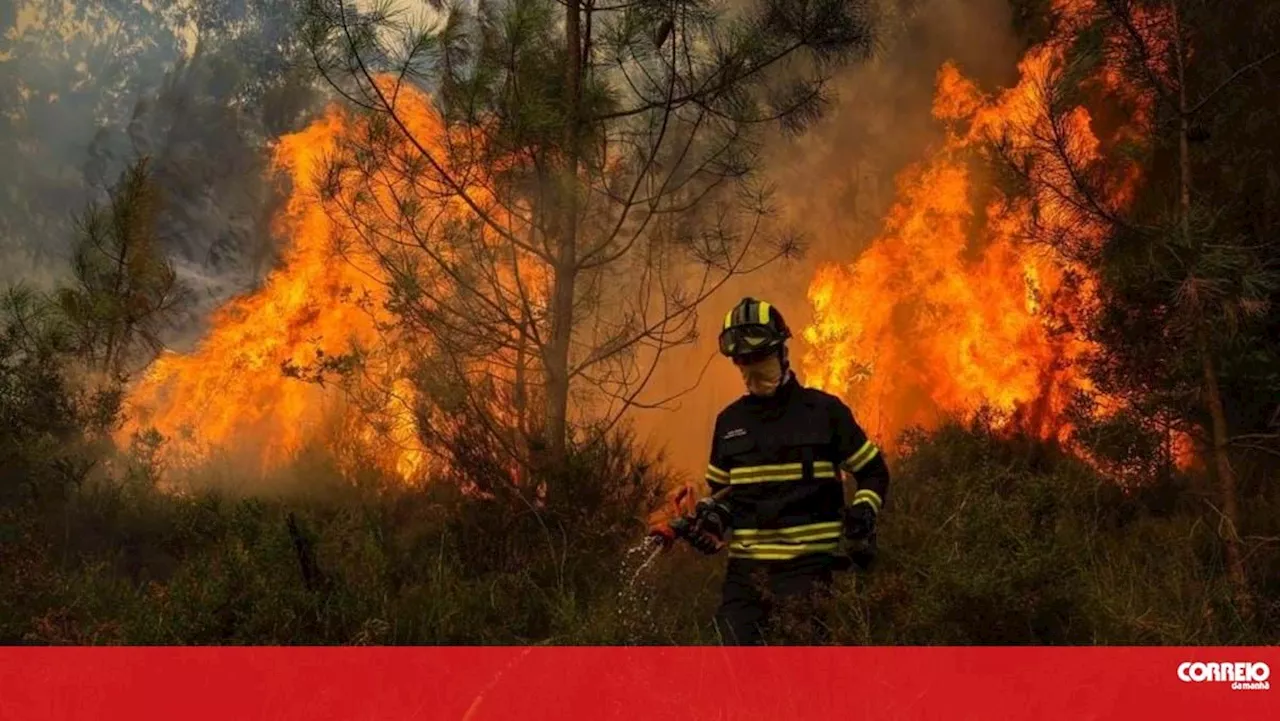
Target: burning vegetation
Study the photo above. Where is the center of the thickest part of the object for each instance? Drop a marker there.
(979, 295)
(244, 390)
(475, 288)
(959, 304)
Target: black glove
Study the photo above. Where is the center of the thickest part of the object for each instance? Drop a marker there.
(704, 542)
(711, 522)
(859, 521)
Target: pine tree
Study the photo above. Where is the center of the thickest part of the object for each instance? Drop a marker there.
(125, 289)
(1189, 269)
(605, 157)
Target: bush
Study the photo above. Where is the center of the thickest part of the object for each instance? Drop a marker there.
(991, 540)
(986, 540)
(386, 564)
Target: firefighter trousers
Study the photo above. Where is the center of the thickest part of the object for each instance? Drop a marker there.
(781, 599)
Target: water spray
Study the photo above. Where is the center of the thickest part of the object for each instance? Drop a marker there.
(685, 519)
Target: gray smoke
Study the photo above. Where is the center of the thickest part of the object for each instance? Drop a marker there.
(199, 87)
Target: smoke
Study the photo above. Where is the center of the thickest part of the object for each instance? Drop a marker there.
(208, 128)
(835, 184)
(66, 70)
(200, 88)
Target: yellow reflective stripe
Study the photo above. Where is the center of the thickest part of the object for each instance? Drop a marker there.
(781, 552)
(791, 533)
(780, 472)
(728, 319)
(745, 540)
(777, 478)
(860, 459)
(781, 477)
(862, 463)
(784, 547)
(762, 313)
(869, 496)
(766, 556)
(716, 474)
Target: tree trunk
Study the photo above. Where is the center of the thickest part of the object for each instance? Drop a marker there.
(1213, 397)
(557, 352)
(117, 281)
(557, 355)
(520, 401)
(1226, 479)
(1184, 164)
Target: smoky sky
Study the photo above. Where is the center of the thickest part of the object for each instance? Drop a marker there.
(199, 88)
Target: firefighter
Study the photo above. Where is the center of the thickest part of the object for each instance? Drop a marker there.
(782, 450)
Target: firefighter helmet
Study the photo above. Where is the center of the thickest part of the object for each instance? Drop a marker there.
(753, 328)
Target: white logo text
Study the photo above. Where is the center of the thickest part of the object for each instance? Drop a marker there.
(1243, 676)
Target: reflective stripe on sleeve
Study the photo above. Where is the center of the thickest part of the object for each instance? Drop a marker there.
(859, 460)
(867, 495)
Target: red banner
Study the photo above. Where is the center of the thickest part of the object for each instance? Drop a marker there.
(700, 684)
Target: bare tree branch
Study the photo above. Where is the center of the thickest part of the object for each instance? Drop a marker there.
(1231, 79)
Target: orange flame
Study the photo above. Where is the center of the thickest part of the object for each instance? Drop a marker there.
(327, 299)
(949, 309)
(923, 324)
(230, 394)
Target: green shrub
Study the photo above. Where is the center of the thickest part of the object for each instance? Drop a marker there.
(986, 540)
(989, 540)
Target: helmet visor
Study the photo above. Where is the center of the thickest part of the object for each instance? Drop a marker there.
(745, 340)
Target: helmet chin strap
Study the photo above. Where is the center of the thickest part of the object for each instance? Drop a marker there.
(785, 361)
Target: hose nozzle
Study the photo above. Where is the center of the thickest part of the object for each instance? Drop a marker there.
(679, 518)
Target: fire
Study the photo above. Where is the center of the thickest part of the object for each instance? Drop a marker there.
(230, 394)
(328, 298)
(951, 327)
(950, 309)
